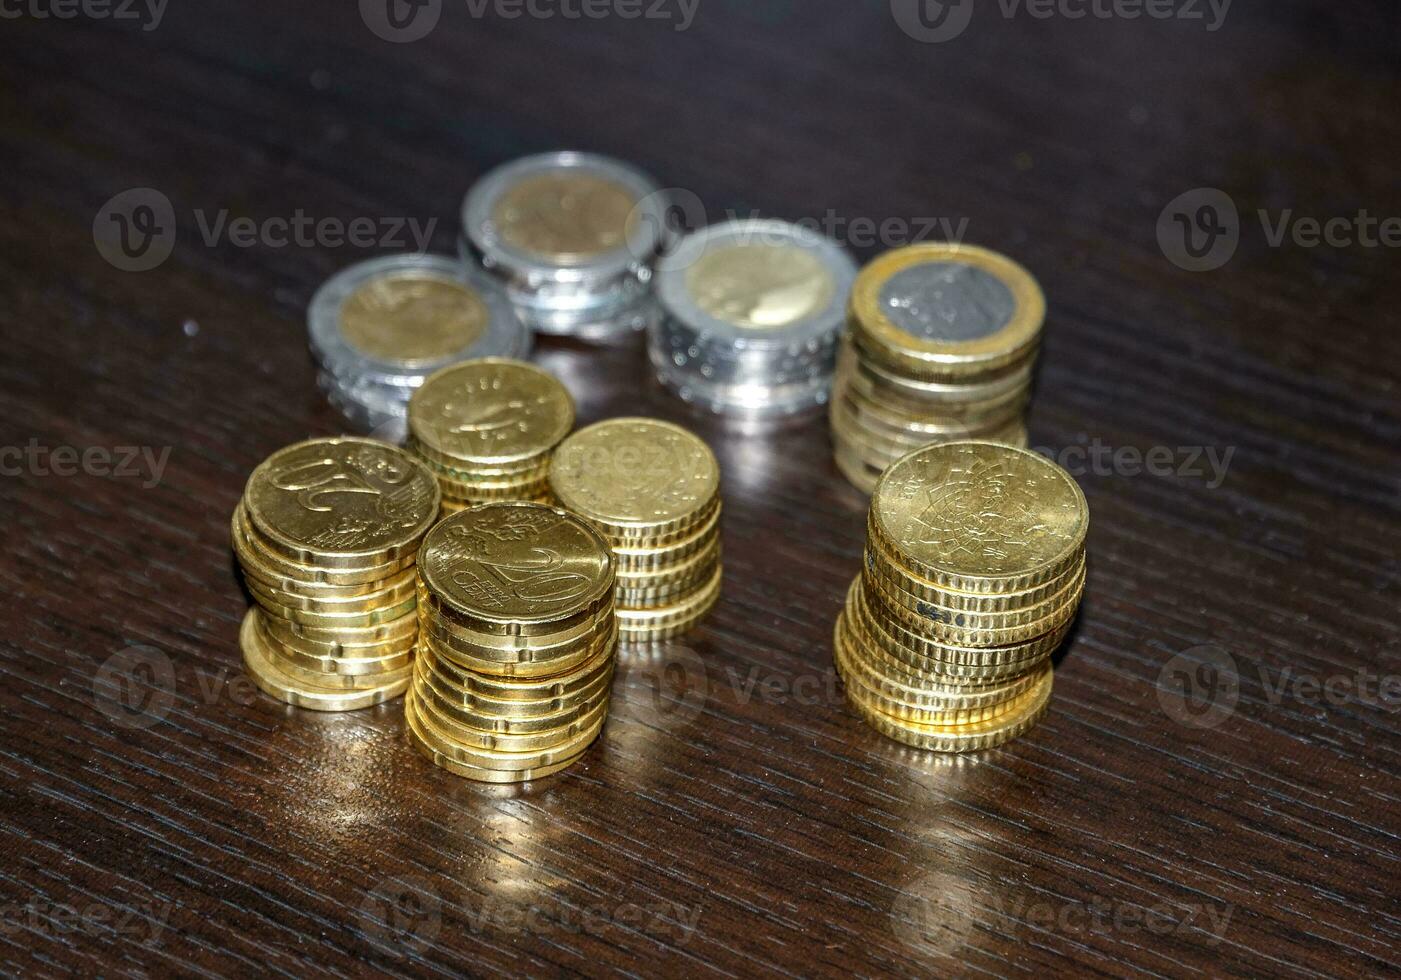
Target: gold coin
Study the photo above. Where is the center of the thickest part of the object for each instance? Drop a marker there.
(759, 285)
(455, 731)
(567, 218)
(272, 680)
(651, 597)
(947, 310)
(560, 691)
(443, 761)
(342, 503)
(1025, 713)
(895, 422)
(967, 628)
(509, 647)
(495, 759)
(530, 468)
(381, 663)
(528, 662)
(506, 714)
(394, 634)
(879, 560)
(413, 318)
(980, 517)
(939, 662)
(269, 581)
(295, 669)
(517, 568)
(688, 570)
(638, 480)
(391, 595)
(336, 621)
(491, 412)
(253, 551)
(664, 622)
(885, 386)
(650, 560)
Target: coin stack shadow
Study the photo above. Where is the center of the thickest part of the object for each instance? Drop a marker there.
(334, 625)
(940, 658)
(941, 347)
(487, 429)
(517, 643)
(652, 489)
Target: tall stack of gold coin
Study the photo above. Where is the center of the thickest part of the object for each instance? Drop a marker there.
(941, 347)
(327, 534)
(974, 568)
(652, 489)
(487, 428)
(517, 642)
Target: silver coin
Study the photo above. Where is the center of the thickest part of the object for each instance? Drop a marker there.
(947, 301)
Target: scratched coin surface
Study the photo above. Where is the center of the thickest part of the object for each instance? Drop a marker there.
(760, 286)
(413, 318)
(516, 563)
(635, 474)
(344, 497)
(490, 412)
(979, 509)
(565, 217)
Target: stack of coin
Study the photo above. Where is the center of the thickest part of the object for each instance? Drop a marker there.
(573, 237)
(517, 644)
(652, 490)
(750, 315)
(327, 534)
(942, 347)
(487, 429)
(974, 568)
(377, 329)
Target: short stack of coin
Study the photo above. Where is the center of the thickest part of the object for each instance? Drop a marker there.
(327, 535)
(517, 642)
(942, 347)
(974, 568)
(652, 489)
(487, 429)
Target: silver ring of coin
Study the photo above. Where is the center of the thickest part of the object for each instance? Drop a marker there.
(750, 315)
(378, 328)
(573, 237)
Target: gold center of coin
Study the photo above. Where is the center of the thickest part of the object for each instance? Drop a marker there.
(491, 411)
(979, 509)
(565, 218)
(342, 496)
(413, 318)
(634, 470)
(761, 287)
(516, 562)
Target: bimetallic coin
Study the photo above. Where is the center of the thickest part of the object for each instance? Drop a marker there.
(415, 317)
(517, 568)
(565, 217)
(947, 310)
(637, 480)
(760, 286)
(980, 517)
(274, 681)
(490, 412)
(342, 503)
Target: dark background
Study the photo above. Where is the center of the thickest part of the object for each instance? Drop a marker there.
(733, 789)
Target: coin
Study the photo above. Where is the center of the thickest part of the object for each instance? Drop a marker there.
(989, 627)
(483, 774)
(980, 517)
(342, 503)
(274, 681)
(661, 623)
(565, 217)
(413, 316)
(490, 412)
(637, 480)
(560, 690)
(496, 759)
(254, 551)
(636, 561)
(879, 559)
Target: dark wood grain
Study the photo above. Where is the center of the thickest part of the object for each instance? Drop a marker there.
(745, 821)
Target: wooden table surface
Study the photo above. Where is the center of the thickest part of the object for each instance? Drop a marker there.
(1216, 786)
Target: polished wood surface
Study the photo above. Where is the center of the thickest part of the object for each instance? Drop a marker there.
(736, 817)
